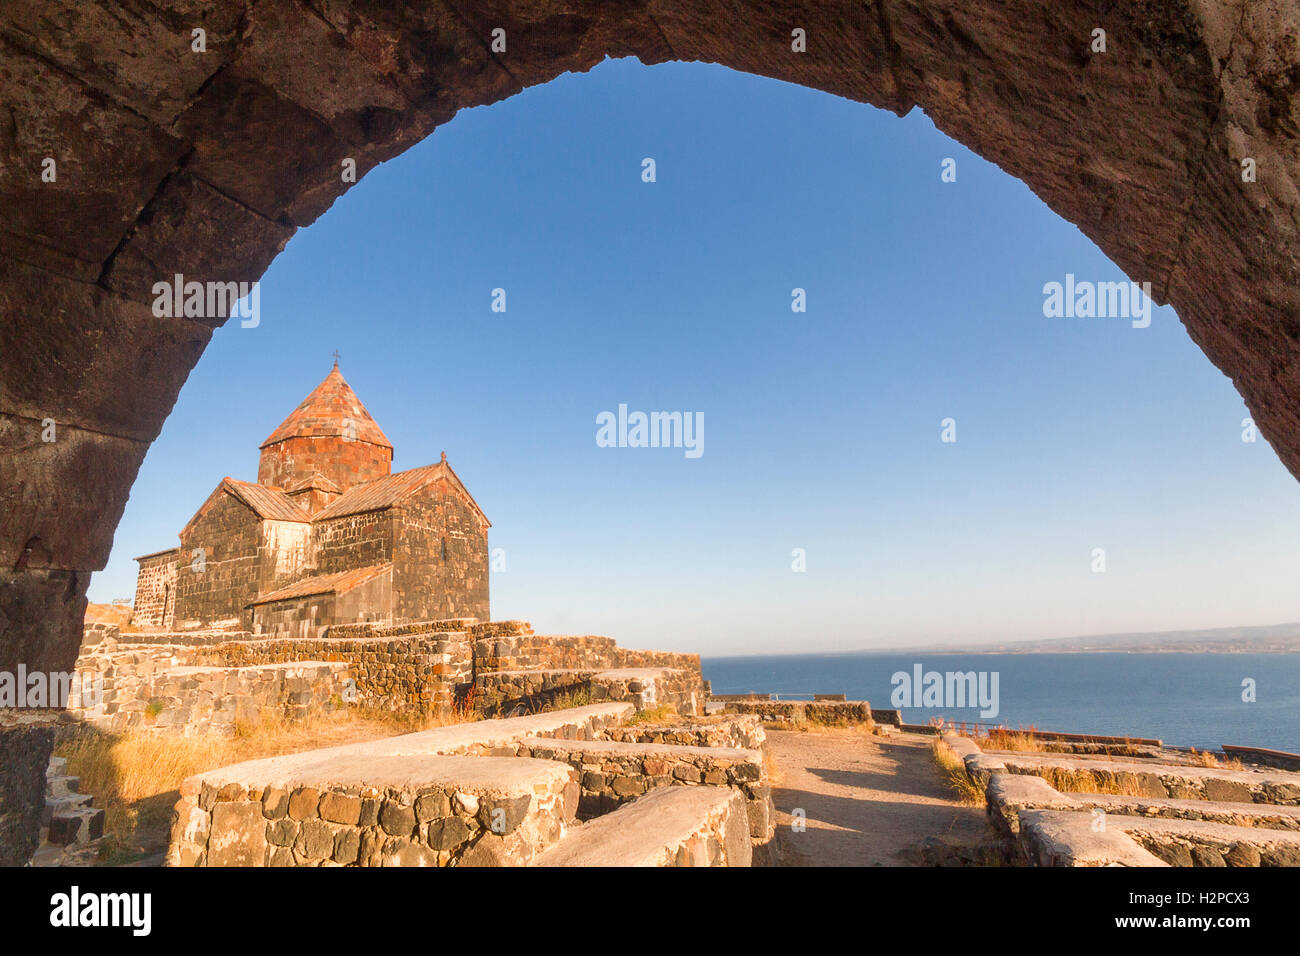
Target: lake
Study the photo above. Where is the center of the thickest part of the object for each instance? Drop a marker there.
(1184, 699)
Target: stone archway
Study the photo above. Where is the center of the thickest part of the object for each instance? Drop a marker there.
(134, 148)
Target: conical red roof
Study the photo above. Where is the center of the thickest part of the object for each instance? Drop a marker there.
(331, 409)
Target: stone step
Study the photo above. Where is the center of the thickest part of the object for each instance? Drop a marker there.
(76, 826)
(70, 801)
(47, 855)
(58, 767)
(1071, 838)
(1010, 794)
(1056, 838)
(612, 773)
(61, 785)
(1151, 779)
(671, 826)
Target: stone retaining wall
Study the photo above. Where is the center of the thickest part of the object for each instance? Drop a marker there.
(525, 650)
(497, 737)
(421, 672)
(417, 667)
(506, 692)
(145, 692)
(181, 638)
(96, 632)
(741, 732)
(511, 692)
(798, 711)
(380, 811)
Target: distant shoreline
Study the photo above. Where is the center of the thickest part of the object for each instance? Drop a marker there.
(1005, 652)
(1095, 650)
(1263, 639)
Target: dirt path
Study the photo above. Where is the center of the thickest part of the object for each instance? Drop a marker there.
(866, 799)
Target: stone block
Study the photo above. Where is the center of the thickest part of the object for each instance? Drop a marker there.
(340, 808)
(397, 819)
(303, 803)
(238, 835)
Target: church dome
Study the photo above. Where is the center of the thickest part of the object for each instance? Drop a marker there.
(331, 410)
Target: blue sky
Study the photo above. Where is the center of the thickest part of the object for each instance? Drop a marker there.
(822, 428)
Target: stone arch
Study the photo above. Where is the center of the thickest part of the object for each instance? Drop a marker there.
(134, 149)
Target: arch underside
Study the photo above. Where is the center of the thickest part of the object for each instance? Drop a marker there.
(173, 161)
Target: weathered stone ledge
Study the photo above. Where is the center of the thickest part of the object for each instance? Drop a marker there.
(676, 826)
(365, 809)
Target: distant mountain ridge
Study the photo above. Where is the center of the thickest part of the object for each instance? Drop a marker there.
(1262, 639)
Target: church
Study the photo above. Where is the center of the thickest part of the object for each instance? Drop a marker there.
(328, 534)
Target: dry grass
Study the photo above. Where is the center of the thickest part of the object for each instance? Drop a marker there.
(135, 776)
(953, 769)
(1003, 738)
(1203, 758)
(664, 713)
(578, 697)
(1090, 781)
(1027, 740)
(865, 729)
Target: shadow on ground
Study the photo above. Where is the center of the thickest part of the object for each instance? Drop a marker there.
(864, 801)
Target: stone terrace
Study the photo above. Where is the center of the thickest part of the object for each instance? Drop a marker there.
(154, 679)
(494, 792)
(1166, 810)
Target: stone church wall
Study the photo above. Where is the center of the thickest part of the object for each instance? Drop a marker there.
(353, 541)
(344, 462)
(294, 618)
(217, 571)
(155, 590)
(440, 562)
(309, 616)
(371, 602)
(285, 554)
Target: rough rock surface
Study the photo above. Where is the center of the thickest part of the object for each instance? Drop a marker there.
(205, 163)
(25, 745)
(171, 160)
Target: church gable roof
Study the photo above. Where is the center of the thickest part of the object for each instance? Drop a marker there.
(270, 503)
(265, 502)
(332, 409)
(391, 490)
